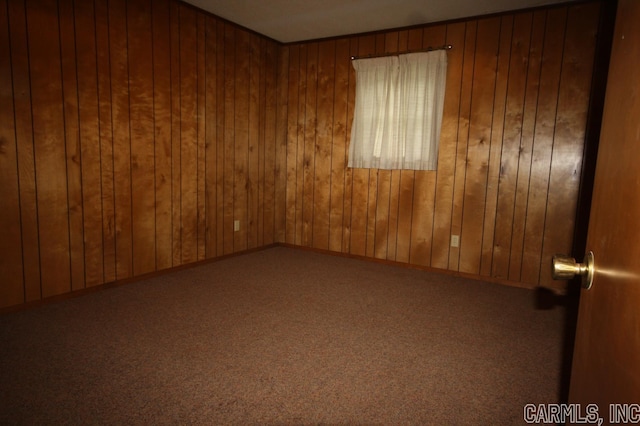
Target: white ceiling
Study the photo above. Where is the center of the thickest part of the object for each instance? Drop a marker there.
(298, 20)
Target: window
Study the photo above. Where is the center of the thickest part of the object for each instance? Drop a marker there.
(398, 111)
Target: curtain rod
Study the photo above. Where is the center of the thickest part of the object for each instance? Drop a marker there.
(428, 49)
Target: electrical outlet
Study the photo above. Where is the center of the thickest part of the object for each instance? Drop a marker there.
(236, 225)
(455, 240)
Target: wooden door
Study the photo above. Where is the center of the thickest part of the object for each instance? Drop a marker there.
(606, 362)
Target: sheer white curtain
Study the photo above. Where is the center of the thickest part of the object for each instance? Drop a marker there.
(398, 111)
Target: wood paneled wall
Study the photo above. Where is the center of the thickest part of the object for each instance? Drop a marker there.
(510, 152)
(132, 134)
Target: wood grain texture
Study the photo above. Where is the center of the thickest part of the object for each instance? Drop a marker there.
(512, 134)
(360, 183)
(201, 141)
(348, 174)
(497, 132)
(310, 131)
(162, 131)
(281, 145)
(25, 149)
(121, 137)
(89, 119)
(530, 112)
(72, 139)
(211, 138)
(542, 145)
(12, 289)
(49, 143)
(293, 56)
(229, 137)
(138, 132)
(220, 136)
(254, 145)
(566, 161)
(188, 39)
(463, 140)
(445, 178)
(139, 42)
(481, 117)
(176, 137)
(300, 142)
(500, 131)
(106, 141)
(271, 162)
(241, 141)
(323, 144)
(337, 213)
(123, 131)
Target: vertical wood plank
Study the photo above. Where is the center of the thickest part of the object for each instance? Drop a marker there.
(300, 141)
(11, 266)
(511, 144)
(160, 125)
(229, 136)
(211, 137)
(161, 25)
(310, 136)
(176, 135)
(200, 140)
(339, 145)
(228, 142)
(542, 144)
(221, 45)
(253, 119)
(478, 151)
(526, 144)
(89, 142)
(72, 140)
(106, 140)
(349, 172)
(497, 129)
(463, 141)
(568, 143)
(49, 143)
(323, 144)
(281, 145)
(447, 150)
(293, 54)
(262, 71)
(121, 137)
(141, 124)
(271, 161)
(188, 134)
(241, 142)
(25, 149)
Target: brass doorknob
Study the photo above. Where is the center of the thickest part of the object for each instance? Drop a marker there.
(566, 267)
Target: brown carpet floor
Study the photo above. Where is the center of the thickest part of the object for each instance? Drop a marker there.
(283, 336)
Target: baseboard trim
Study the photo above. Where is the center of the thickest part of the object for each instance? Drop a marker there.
(413, 266)
(100, 287)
